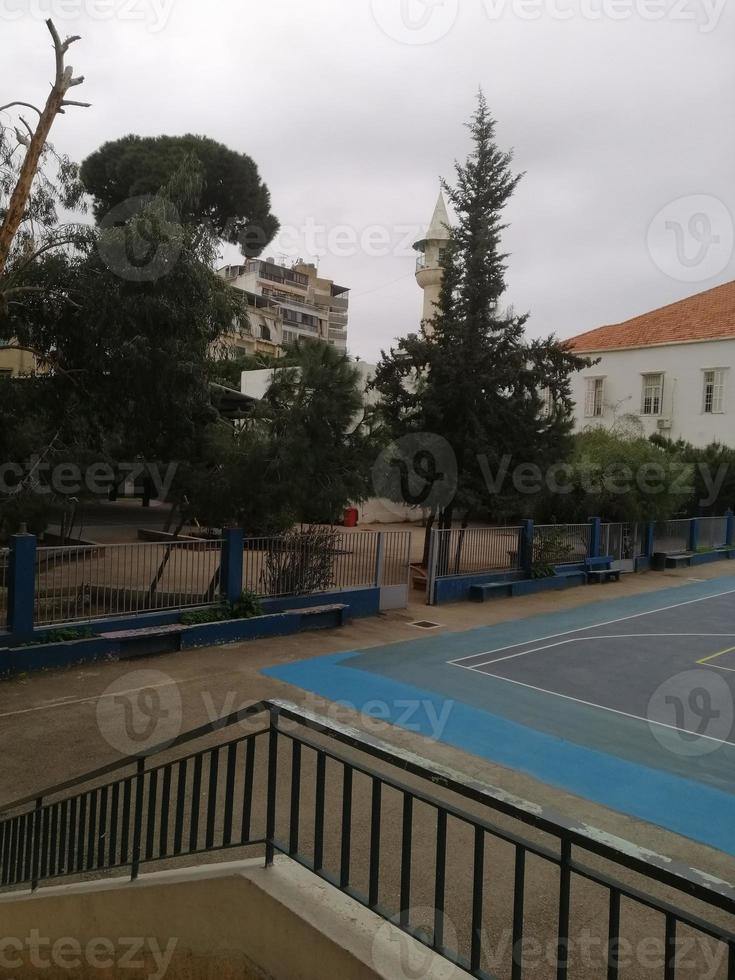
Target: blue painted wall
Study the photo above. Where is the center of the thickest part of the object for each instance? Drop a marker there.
(457, 588)
(25, 659)
(362, 602)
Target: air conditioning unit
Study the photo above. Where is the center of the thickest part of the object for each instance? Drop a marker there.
(664, 423)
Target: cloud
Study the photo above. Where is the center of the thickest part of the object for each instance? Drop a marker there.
(610, 119)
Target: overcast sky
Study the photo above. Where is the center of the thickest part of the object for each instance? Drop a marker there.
(619, 111)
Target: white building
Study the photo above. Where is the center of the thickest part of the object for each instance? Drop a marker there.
(673, 369)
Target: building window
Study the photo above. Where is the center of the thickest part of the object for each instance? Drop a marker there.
(653, 394)
(713, 400)
(594, 405)
(547, 403)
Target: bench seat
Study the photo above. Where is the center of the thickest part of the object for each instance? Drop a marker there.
(526, 586)
(339, 609)
(603, 574)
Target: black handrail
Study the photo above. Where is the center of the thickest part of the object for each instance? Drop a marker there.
(204, 801)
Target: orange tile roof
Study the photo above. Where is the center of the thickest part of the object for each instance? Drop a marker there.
(706, 316)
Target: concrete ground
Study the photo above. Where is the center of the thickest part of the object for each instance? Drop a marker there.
(58, 725)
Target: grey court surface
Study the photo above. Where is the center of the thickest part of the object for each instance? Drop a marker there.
(629, 703)
(673, 667)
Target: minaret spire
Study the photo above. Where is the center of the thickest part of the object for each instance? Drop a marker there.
(428, 265)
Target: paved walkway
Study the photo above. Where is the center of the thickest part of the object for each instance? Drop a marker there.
(57, 725)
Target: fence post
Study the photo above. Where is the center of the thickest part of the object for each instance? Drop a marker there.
(431, 569)
(595, 546)
(379, 559)
(730, 526)
(649, 539)
(21, 584)
(231, 573)
(272, 786)
(693, 534)
(525, 547)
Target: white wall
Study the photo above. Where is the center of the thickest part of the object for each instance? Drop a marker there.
(683, 366)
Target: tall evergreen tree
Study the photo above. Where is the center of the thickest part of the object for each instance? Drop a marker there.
(471, 375)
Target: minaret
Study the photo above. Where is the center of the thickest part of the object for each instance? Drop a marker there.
(428, 264)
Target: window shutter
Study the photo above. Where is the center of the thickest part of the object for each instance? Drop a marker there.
(589, 402)
(718, 392)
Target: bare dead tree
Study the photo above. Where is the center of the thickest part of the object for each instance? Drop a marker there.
(36, 139)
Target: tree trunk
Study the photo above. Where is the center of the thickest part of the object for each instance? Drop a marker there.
(55, 103)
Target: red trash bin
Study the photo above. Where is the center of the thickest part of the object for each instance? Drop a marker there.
(351, 517)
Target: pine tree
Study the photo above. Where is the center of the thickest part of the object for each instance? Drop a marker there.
(471, 375)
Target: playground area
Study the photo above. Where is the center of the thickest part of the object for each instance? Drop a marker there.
(628, 703)
(580, 737)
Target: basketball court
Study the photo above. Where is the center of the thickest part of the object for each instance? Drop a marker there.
(629, 703)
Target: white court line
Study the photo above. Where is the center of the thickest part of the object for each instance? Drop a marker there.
(602, 707)
(581, 639)
(97, 697)
(610, 622)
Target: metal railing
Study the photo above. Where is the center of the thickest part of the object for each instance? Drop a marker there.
(671, 536)
(477, 876)
(622, 542)
(561, 544)
(466, 551)
(394, 566)
(80, 583)
(280, 566)
(712, 532)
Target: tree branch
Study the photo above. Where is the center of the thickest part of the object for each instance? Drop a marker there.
(28, 105)
(30, 131)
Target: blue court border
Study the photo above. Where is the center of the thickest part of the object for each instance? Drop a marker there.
(700, 808)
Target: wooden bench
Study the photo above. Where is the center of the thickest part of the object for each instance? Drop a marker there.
(152, 640)
(340, 609)
(525, 586)
(603, 575)
(147, 641)
(672, 559)
(490, 590)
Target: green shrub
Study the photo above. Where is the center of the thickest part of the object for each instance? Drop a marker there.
(246, 607)
(66, 634)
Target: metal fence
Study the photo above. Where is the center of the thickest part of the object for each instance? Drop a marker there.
(466, 551)
(671, 536)
(297, 565)
(4, 554)
(622, 542)
(396, 558)
(712, 532)
(482, 880)
(79, 583)
(561, 544)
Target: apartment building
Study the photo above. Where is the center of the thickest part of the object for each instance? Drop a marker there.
(673, 368)
(15, 362)
(302, 304)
